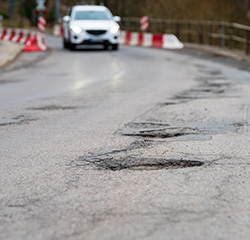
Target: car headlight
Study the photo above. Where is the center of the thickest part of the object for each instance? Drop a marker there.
(75, 29)
(114, 29)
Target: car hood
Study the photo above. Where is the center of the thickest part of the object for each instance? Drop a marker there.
(94, 24)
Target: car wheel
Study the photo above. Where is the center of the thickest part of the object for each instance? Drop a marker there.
(106, 46)
(65, 44)
(115, 46)
(72, 46)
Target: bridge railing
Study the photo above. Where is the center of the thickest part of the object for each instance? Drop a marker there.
(222, 34)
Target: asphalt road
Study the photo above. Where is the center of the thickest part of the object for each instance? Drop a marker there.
(129, 144)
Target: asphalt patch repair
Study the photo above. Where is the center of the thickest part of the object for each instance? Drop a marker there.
(135, 163)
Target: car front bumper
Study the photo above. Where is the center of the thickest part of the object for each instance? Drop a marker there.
(86, 38)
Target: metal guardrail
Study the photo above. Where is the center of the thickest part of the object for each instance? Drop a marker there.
(223, 34)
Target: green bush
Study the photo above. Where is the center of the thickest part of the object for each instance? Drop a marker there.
(5, 15)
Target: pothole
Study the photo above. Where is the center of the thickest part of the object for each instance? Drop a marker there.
(138, 164)
(212, 86)
(162, 131)
(161, 134)
(15, 120)
(211, 72)
(156, 130)
(173, 101)
(52, 108)
(202, 92)
(215, 72)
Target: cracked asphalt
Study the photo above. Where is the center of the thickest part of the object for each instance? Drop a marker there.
(134, 144)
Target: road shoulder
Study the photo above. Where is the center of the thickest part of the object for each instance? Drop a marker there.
(8, 52)
(219, 52)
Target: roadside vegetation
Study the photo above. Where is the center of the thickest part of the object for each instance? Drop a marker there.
(23, 14)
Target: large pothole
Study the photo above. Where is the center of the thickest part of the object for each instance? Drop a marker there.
(136, 163)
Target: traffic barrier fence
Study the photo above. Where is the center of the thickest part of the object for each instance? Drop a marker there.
(168, 41)
(222, 34)
(25, 37)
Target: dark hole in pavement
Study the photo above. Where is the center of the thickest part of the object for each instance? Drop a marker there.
(159, 135)
(239, 124)
(15, 120)
(51, 108)
(202, 92)
(172, 101)
(217, 84)
(211, 72)
(156, 130)
(169, 103)
(209, 87)
(140, 164)
(208, 90)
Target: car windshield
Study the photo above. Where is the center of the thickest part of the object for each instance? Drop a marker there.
(92, 15)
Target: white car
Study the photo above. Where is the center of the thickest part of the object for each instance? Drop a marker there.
(90, 24)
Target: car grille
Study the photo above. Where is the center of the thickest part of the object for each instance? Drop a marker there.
(96, 32)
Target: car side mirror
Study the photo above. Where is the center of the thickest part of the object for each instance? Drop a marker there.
(66, 19)
(116, 18)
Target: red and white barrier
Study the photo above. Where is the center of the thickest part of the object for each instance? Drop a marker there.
(58, 30)
(36, 44)
(23, 36)
(167, 41)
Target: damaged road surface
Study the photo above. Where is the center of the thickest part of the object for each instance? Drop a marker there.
(136, 144)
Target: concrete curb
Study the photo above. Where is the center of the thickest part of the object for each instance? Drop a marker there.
(8, 52)
(215, 51)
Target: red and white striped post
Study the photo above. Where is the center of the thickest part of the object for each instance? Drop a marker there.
(41, 24)
(144, 23)
(41, 10)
